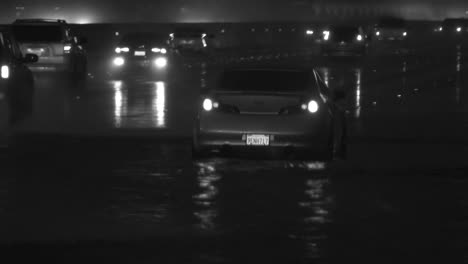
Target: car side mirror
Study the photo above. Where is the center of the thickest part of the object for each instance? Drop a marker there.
(339, 95)
(82, 40)
(30, 58)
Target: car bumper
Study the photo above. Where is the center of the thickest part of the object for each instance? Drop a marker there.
(52, 64)
(298, 132)
(137, 67)
(344, 49)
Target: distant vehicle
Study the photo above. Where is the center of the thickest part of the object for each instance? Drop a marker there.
(16, 80)
(344, 41)
(454, 26)
(289, 110)
(391, 29)
(189, 39)
(141, 53)
(52, 40)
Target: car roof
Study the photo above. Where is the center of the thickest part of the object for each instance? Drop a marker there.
(269, 68)
(40, 21)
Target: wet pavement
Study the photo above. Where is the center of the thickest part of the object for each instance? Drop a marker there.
(103, 171)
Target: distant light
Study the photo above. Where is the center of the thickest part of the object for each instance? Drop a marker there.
(119, 61)
(459, 29)
(309, 32)
(207, 104)
(5, 72)
(326, 35)
(359, 37)
(117, 33)
(405, 33)
(223, 31)
(83, 21)
(441, 28)
(158, 50)
(377, 33)
(160, 62)
(124, 49)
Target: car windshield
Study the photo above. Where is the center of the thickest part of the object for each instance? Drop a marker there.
(455, 22)
(144, 38)
(265, 81)
(392, 23)
(32, 33)
(345, 32)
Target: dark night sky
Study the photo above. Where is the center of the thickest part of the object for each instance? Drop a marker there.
(226, 10)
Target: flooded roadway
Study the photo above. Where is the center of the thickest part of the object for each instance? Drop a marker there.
(105, 172)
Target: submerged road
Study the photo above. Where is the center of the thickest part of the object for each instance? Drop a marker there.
(104, 172)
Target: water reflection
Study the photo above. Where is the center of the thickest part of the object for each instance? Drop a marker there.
(206, 211)
(159, 105)
(326, 76)
(317, 204)
(141, 105)
(358, 74)
(120, 106)
(458, 76)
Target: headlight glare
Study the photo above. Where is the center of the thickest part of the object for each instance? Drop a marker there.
(5, 72)
(313, 106)
(207, 104)
(119, 61)
(160, 62)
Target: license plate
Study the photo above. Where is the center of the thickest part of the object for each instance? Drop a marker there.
(140, 53)
(257, 140)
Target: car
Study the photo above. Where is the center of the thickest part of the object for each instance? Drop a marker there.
(344, 41)
(58, 48)
(285, 110)
(16, 80)
(189, 39)
(454, 26)
(391, 29)
(141, 53)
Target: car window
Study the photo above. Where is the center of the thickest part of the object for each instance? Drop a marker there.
(265, 81)
(38, 33)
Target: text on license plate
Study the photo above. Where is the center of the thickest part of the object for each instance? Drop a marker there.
(257, 140)
(140, 53)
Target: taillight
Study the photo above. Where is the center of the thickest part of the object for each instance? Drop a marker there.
(5, 72)
(67, 48)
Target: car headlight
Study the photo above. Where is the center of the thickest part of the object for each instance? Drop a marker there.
(124, 49)
(160, 62)
(5, 72)
(67, 48)
(326, 35)
(309, 32)
(459, 29)
(377, 33)
(405, 33)
(207, 104)
(312, 106)
(359, 37)
(119, 61)
(441, 29)
(159, 50)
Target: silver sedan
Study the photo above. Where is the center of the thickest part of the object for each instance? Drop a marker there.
(289, 110)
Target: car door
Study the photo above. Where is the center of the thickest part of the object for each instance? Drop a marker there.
(21, 88)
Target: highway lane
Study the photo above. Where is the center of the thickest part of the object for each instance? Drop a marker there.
(105, 172)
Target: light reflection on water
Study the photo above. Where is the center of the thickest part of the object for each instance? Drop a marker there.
(120, 106)
(206, 211)
(358, 74)
(159, 104)
(318, 204)
(147, 110)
